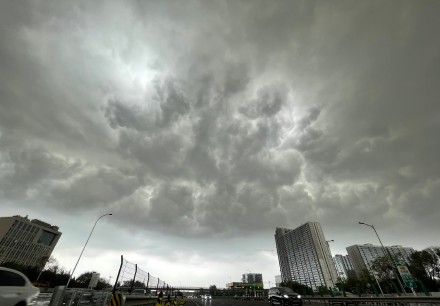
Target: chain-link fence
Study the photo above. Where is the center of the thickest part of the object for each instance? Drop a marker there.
(131, 277)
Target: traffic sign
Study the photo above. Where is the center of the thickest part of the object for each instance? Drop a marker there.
(406, 276)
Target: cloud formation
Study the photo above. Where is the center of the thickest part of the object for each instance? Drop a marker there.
(223, 118)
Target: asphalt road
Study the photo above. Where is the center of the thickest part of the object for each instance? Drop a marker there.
(225, 302)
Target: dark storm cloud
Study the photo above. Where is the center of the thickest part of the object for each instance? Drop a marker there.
(26, 167)
(99, 187)
(223, 117)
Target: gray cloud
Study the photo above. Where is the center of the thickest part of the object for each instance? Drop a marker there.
(224, 118)
(96, 187)
(268, 103)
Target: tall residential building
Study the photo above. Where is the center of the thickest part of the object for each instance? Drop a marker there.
(343, 266)
(26, 242)
(252, 278)
(401, 253)
(304, 256)
(363, 256)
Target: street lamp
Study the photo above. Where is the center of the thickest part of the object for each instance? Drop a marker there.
(328, 242)
(82, 251)
(386, 251)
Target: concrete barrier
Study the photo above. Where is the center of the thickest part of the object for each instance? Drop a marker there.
(401, 300)
(66, 297)
(117, 299)
(133, 300)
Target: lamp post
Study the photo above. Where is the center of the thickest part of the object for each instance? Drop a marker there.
(328, 242)
(377, 282)
(44, 261)
(85, 244)
(387, 252)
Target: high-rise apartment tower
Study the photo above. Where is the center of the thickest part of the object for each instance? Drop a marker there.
(343, 266)
(362, 256)
(304, 256)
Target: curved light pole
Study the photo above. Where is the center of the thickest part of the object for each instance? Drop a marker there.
(328, 242)
(82, 251)
(387, 252)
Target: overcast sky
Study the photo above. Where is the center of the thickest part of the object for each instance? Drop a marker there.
(202, 126)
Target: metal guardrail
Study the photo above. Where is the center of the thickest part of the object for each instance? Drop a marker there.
(401, 300)
(96, 298)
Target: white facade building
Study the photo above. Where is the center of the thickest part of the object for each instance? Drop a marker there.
(363, 256)
(304, 256)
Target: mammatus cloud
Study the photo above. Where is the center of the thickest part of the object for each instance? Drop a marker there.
(223, 119)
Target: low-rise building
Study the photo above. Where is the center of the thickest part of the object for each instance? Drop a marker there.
(235, 285)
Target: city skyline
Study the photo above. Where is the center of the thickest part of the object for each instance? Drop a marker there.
(395, 251)
(204, 126)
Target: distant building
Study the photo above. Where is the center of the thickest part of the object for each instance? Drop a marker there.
(235, 285)
(252, 278)
(26, 242)
(278, 280)
(304, 256)
(240, 286)
(343, 266)
(363, 256)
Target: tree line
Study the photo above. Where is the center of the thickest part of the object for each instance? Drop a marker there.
(54, 275)
(424, 267)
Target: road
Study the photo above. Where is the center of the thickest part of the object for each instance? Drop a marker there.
(225, 302)
(42, 299)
